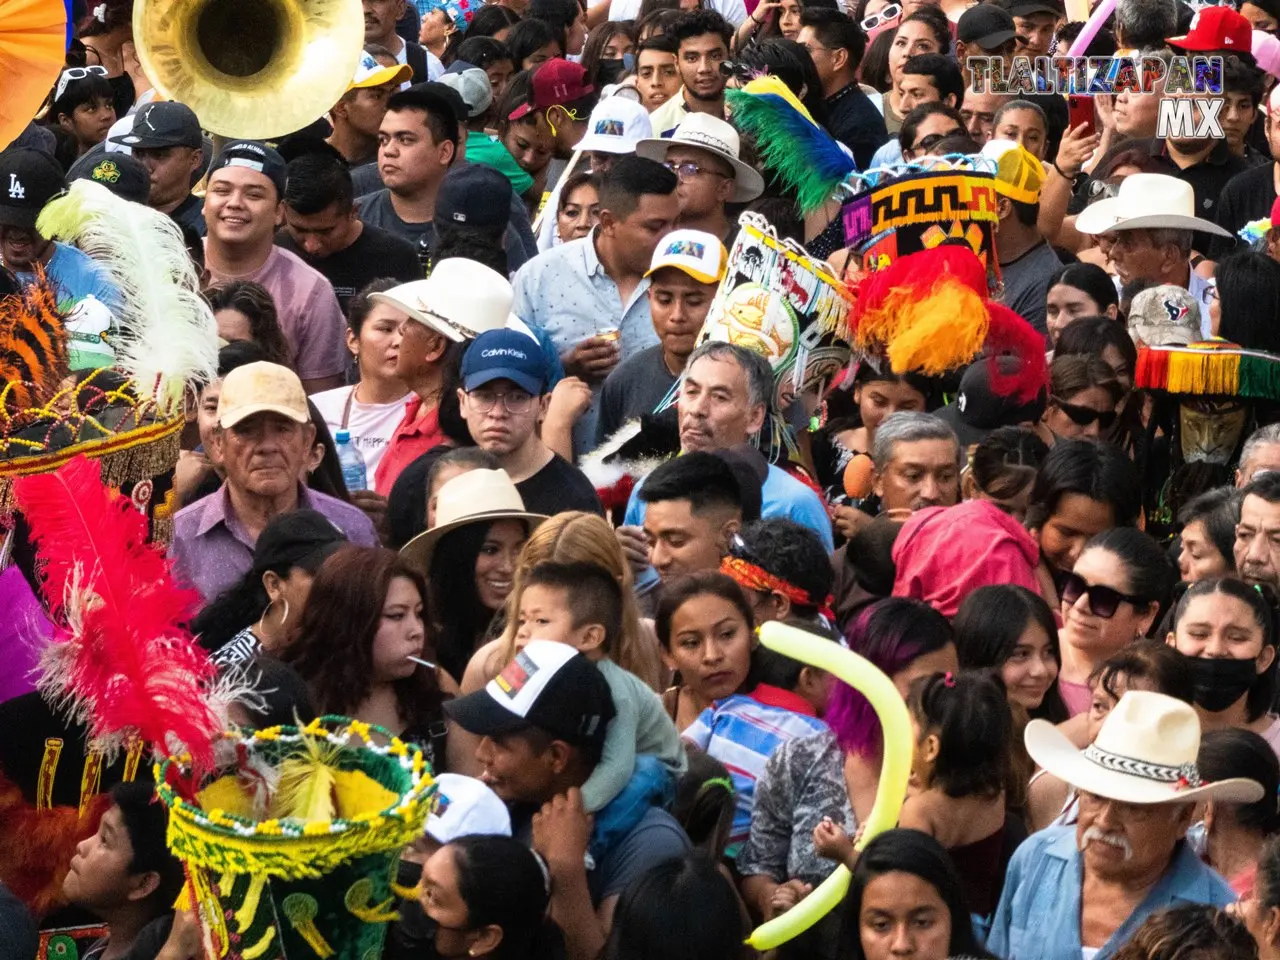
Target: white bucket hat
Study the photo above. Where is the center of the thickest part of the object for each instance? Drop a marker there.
(1147, 201)
(616, 125)
(1145, 753)
(715, 135)
(477, 496)
(460, 300)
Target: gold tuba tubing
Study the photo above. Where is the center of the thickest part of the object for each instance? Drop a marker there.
(250, 69)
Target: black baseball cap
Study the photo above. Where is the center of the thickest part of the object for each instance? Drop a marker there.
(1026, 8)
(986, 25)
(977, 409)
(549, 686)
(474, 194)
(300, 538)
(255, 155)
(29, 179)
(120, 173)
(165, 123)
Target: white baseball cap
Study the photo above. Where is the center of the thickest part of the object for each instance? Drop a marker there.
(465, 806)
(616, 125)
(700, 255)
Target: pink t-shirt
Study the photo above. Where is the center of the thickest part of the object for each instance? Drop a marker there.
(310, 317)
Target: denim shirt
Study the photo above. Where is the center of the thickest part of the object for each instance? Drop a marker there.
(1039, 913)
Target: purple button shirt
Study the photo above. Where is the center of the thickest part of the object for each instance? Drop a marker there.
(212, 551)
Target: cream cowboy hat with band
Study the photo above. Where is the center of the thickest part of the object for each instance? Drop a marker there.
(1147, 201)
(1145, 753)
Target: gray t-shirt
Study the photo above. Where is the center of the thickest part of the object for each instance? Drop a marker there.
(633, 388)
(1026, 283)
(376, 210)
(656, 838)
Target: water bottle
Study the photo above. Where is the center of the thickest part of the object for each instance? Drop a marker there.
(352, 461)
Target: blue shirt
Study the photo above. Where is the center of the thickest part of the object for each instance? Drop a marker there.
(88, 299)
(1039, 913)
(567, 293)
(782, 496)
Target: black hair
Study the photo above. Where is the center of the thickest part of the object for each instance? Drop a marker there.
(237, 353)
(361, 305)
(875, 62)
(1240, 77)
(87, 89)
(910, 851)
(1005, 461)
(836, 31)
(1151, 661)
(1249, 293)
(944, 72)
(490, 19)
(439, 119)
(1088, 278)
(280, 695)
(1266, 886)
(970, 714)
(1234, 752)
(793, 553)
(921, 112)
(1267, 487)
(472, 457)
(1219, 511)
(703, 479)
(1098, 471)
(1262, 691)
(1147, 567)
(559, 15)
(146, 820)
(924, 385)
(873, 546)
(254, 301)
(777, 669)
(935, 20)
(679, 592)
(527, 37)
(791, 63)
(317, 181)
(704, 804)
(581, 179)
(482, 52)
(1190, 930)
(503, 884)
(1092, 336)
(460, 242)
(988, 625)
(657, 23)
(630, 178)
(696, 23)
(461, 619)
(591, 594)
(680, 909)
(593, 59)
(959, 143)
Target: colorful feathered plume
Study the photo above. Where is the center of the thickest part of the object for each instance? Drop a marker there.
(33, 344)
(122, 664)
(803, 156)
(169, 335)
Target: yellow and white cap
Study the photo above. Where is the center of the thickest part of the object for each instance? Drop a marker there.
(694, 252)
(370, 73)
(1019, 175)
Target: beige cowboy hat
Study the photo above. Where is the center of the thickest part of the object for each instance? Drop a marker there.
(460, 300)
(716, 136)
(1145, 753)
(1147, 201)
(477, 496)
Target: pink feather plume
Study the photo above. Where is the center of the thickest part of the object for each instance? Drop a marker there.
(123, 661)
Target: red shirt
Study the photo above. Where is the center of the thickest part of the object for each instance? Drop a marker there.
(414, 437)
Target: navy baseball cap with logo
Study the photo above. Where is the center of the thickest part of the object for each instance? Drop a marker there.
(548, 685)
(256, 156)
(504, 355)
(29, 179)
(474, 195)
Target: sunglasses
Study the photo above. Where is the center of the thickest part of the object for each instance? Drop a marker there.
(933, 139)
(1083, 416)
(889, 14)
(1103, 601)
(76, 73)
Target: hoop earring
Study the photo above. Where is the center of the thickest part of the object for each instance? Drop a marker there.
(283, 620)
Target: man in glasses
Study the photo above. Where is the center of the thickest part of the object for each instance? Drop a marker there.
(503, 398)
(836, 45)
(703, 154)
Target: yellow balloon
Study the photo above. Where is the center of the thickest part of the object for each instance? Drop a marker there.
(895, 768)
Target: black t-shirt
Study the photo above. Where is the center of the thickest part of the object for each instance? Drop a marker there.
(1247, 196)
(854, 120)
(1207, 179)
(633, 388)
(376, 253)
(190, 213)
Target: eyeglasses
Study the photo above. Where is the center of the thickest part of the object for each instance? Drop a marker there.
(1083, 416)
(933, 139)
(887, 15)
(75, 73)
(517, 402)
(1103, 601)
(687, 170)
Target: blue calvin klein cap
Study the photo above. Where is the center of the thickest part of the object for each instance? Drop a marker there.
(504, 355)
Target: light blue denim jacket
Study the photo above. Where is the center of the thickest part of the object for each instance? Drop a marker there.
(1039, 913)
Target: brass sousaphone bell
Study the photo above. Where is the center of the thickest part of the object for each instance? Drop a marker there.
(250, 69)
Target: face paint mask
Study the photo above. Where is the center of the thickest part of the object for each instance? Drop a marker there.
(1218, 683)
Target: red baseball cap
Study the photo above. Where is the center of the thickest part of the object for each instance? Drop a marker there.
(1217, 28)
(555, 81)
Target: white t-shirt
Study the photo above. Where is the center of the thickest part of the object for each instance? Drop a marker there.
(370, 424)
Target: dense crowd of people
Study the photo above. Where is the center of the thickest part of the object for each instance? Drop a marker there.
(446, 305)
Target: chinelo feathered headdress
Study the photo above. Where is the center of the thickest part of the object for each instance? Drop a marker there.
(33, 346)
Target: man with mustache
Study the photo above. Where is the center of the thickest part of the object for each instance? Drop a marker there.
(1257, 532)
(1083, 889)
(917, 461)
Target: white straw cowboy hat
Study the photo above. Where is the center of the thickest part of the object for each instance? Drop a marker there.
(1147, 201)
(716, 136)
(477, 496)
(1145, 753)
(460, 300)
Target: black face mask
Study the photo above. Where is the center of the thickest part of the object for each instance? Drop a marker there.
(1219, 683)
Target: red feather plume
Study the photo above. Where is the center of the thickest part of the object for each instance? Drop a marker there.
(123, 662)
(1010, 334)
